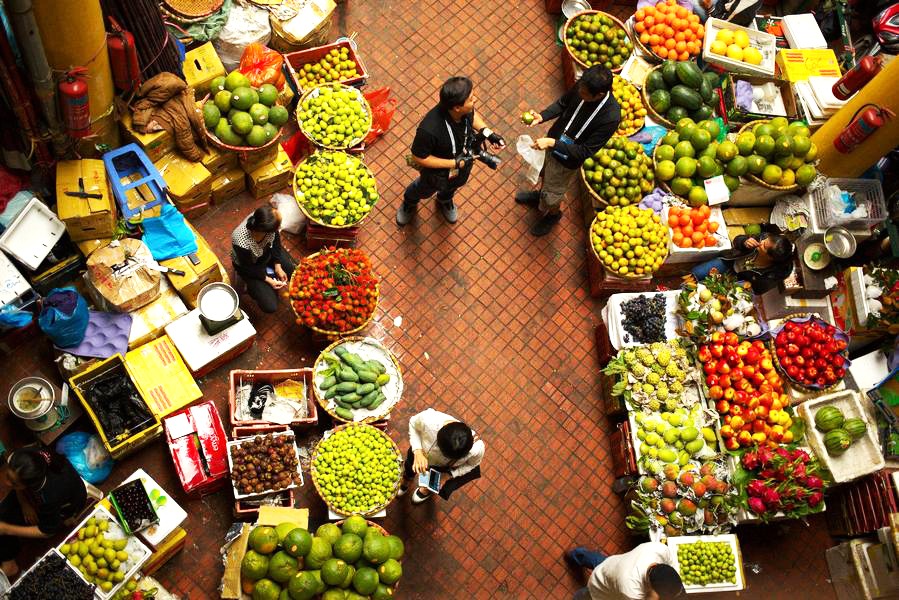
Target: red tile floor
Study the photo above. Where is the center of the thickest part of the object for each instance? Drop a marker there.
(497, 329)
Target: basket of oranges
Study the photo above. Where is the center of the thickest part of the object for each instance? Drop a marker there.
(668, 31)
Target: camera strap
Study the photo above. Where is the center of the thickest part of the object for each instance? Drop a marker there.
(589, 119)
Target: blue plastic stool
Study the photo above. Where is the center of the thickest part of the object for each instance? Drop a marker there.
(130, 170)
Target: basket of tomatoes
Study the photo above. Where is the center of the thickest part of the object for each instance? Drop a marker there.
(334, 292)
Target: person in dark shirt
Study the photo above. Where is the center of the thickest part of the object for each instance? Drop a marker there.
(587, 116)
(46, 492)
(443, 149)
(764, 259)
(259, 258)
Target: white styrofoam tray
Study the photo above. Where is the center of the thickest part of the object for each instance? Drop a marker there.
(677, 254)
(68, 565)
(197, 347)
(138, 552)
(730, 539)
(238, 495)
(12, 283)
(863, 456)
(613, 317)
(33, 233)
(764, 42)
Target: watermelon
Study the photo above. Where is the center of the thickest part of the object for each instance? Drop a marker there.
(855, 428)
(829, 418)
(837, 441)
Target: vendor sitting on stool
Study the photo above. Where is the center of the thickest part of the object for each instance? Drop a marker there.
(44, 492)
(259, 258)
(764, 260)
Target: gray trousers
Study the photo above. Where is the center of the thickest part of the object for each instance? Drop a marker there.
(556, 181)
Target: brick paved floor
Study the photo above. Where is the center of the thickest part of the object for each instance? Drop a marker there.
(496, 329)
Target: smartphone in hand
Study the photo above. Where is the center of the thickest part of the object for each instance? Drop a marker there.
(430, 480)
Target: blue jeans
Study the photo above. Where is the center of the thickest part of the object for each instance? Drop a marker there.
(702, 270)
(587, 559)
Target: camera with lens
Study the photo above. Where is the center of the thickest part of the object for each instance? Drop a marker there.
(482, 155)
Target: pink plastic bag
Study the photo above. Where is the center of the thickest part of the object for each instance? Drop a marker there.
(382, 109)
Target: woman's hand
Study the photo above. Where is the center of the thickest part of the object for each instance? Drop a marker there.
(28, 510)
(543, 143)
(279, 272)
(751, 243)
(420, 464)
(276, 284)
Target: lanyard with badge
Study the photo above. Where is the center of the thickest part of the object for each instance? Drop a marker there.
(454, 171)
(565, 138)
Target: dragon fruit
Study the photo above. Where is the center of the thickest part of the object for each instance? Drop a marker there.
(771, 497)
(756, 487)
(765, 456)
(767, 473)
(815, 499)
(750, 460)
(757, 506)
(814, 483)
(802, 455)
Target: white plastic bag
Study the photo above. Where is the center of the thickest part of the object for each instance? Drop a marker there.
(532, 157)
(246, 24)
(292, 219)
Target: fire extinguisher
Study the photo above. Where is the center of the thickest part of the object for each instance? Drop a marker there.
(868, 119)
(856, 77)
(123, 58)
(75, 103)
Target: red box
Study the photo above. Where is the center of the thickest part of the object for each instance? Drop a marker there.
(273, 377)
(295, 60)
(198, 445)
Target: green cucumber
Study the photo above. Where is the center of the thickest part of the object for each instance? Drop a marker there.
(367, 376)
(344, 413)
(340, 402)
(350, 398)
(348, 374)
(327, 382)
(366, 388)
(345, 387)
(376, 366)
(354, 361)
(340, 351)
(331, 393)
(369, 398)
(383, 378)
(378, 401)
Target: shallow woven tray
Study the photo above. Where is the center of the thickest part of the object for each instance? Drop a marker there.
(568, 48)
(644, 93)
(240, 149)
(370, 511)
(317, 221)
(192, 9)
(359, 97)
(593, 193)
(783, 372)
(626, 275)
(647, 54)
(755, 178)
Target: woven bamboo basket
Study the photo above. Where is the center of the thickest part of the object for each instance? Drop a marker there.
(335, 334)
(319, 397)
(297, 192)
(644, 93)
(569, 49)
(593, 193)
(626, 275)
(372, 510)
(245, 150)
(314, 91)
(632, 130)
(755, 178)
(647, 54)
(783, 372)
(195, 10)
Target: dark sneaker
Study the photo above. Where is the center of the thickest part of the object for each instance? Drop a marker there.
(530, 199)
(405, 214)
(545, 224)
(449, 211)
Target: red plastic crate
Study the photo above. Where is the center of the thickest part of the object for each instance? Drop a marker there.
(246, 431)
(295, 61)
(273, 377)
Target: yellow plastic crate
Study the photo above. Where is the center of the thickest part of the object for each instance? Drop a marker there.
(162, 377)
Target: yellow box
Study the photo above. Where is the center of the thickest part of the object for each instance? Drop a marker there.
(201, 66)
(117, 447)
(228, 184)
(155, 144)
(167, 384)
(195, 275)
(186, 181)
(799, 65)
(85, 218)
(169, 547)
(219, 161)
(148, 322)
(250, 161)
(271, 177)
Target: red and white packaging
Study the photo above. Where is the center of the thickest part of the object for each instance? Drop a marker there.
(198, 446)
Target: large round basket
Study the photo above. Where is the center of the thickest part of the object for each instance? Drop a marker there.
(646, 54)
(297, 192)
(593, 193)
(632, 129)
(315, 91)
(661, 120)
(570, 50)
(783, 372)
(245, 150)
(328, 333)
(755, 178)
(383, 532)
(377, 348)
(375, 509)
(626, 275)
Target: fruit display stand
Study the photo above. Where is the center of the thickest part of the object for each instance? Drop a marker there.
(863, 456)
(612, 316)
(294, 61)
(777, 325)
(235, 444)
(360, 179)
(678, 255)
(764, 42)
(239, 378)
(676, 543)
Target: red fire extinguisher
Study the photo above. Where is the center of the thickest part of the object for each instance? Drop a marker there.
(123, 58)
(856, 77)
(75, 103)
(868, 119)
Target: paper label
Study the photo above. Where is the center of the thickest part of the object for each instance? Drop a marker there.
(716, 190)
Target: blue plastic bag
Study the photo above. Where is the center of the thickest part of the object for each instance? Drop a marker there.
(64, 317)
(648, 137)
(86, 453)
(14, 318)
(168, 236)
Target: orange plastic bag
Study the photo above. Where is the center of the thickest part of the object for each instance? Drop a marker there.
(382, 109)
(262, 65)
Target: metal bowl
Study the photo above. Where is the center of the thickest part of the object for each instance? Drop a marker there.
(839, 242)
(218, 302)
(30, 385)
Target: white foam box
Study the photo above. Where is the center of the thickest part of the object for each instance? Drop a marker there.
(202, 351)
(863, 456)
(677, 255)
(170, 513)
(802, 32)
(32, 234)
(613, 317)
(731, 540)
(12, 283)
(764, 42)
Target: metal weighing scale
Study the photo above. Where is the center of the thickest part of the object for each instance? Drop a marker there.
(219, 307)
(34, 401)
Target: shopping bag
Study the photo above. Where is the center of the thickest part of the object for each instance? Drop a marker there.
(168, 236)
(262, 65)
(532, 157)
(382, 109)
(86, 453)
(64, 317)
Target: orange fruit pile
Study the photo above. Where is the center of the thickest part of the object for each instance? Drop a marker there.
(669, 30)
(692, 227)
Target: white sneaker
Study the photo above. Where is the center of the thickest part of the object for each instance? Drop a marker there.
(419, 498)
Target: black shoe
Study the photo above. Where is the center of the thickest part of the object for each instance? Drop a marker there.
(545, 224)
(530, 199)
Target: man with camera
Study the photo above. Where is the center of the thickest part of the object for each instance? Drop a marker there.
(446, 144)
(588, 115)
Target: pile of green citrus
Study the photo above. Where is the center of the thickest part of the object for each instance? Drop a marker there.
(101, 560)
(356, 469)
(347, 562)
(629, 241)
(336, 65)
(334, 116)
(779, 152)
(335, 188)
(702, 563)
(620, 173)
(241, 115)
(596, 39)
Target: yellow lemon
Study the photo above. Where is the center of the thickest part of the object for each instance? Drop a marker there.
(718, 47)
(735, 52)
(752, 56)
(726, 36)
(741, 39)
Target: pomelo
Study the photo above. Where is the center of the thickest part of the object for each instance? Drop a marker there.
(236, 79)
(268, 94)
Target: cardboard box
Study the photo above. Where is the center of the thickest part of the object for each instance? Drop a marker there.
(219, 161)
(201, 66)
(155, 145)
(738, 116)
(228, 184)
(149, 321)
(87, 247)
(195, 275)
(118, 275)
(273, 176)
(187, 181)
(172, 386)
(198, 445)
(799, 65)
(85, 218)
(168, 548)
(250, 161)
(203, 352)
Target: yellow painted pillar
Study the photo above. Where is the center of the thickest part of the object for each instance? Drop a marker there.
(880, 91)
(74, 36)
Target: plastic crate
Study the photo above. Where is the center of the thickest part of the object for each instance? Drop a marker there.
(868, 192)
(135, 181)
(272, 377)
(295, 60)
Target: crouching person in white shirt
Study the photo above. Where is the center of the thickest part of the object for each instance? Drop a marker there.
(644, 573)
(443, 443)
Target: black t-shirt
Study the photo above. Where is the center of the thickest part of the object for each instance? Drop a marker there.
(432, 138)
(61, 498)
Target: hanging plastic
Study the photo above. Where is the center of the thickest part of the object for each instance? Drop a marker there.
(64, 317)
(382, 110)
